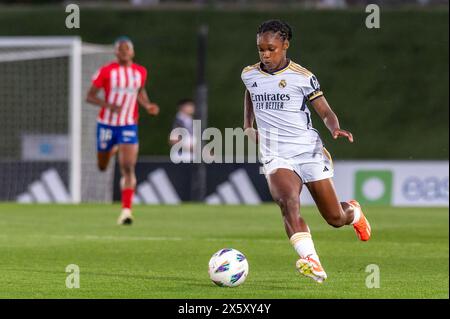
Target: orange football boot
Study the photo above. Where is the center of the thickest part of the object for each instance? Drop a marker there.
(362, 226)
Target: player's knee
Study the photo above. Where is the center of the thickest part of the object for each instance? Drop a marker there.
(127, 169)
(288, 203)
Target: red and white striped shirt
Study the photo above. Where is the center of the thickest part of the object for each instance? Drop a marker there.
(121, 85)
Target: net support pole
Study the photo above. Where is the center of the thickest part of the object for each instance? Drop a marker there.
(75, 120)
(199, 178)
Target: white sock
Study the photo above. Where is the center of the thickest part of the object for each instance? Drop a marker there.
(304, 245)
(126, 211)
(356, 214)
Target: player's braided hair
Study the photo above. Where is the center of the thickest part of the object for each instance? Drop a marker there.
(276, 26)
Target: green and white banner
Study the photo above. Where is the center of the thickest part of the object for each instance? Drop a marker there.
(396, 183)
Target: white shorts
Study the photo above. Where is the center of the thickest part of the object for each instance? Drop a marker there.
(309, 168)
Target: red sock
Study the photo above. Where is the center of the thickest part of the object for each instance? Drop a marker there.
(127, 197)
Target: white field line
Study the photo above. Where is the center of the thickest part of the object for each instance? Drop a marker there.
(96, 237)
(212, 239)
(147, 238)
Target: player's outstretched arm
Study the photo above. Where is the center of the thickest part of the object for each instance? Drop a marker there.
(144, 101)
(330, 119)
(249, 118)
(92, 97)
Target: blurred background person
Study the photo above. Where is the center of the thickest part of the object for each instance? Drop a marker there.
(184, 119)
(331, 4)
(123, 81)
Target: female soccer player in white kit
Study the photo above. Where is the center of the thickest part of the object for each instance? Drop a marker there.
(276, 96)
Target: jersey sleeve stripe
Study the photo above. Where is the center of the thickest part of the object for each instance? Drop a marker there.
(302, 71)
(249, 68)
(298, 66)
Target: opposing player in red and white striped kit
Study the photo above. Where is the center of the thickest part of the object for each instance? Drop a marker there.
(123, 82)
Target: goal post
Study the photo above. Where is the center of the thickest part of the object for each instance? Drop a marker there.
(75, 118)
(47, 136)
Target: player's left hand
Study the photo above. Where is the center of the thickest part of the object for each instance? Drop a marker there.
(152, 109)
(342, 133)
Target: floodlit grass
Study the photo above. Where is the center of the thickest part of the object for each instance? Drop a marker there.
(165, 253)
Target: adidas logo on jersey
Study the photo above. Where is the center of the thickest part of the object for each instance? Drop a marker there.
(325, 169)
(254, 85)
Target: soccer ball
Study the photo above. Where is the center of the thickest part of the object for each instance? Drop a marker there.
(228, 267)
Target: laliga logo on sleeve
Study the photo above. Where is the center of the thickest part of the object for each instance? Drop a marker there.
(315, 83)
(282, 84)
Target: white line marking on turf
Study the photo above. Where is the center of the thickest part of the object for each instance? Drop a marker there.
(260, 240)
(95, 237)
(147, 238)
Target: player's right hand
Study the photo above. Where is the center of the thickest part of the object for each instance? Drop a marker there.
(343, 133)
(152, 109)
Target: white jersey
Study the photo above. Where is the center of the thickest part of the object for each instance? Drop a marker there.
(282, 116)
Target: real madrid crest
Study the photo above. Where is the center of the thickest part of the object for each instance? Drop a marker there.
(282, 84)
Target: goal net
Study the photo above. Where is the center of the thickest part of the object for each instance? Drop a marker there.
(48, 131)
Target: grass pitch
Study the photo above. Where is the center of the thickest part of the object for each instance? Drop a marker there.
(165, 253)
